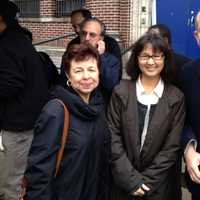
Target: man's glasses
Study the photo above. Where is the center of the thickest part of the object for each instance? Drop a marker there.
(156, 58)
(91, 34)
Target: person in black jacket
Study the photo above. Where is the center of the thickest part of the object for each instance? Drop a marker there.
(77, 18)
(50, 69)
(178, 59)
(190, 82)
(23, 92)
(84, 171)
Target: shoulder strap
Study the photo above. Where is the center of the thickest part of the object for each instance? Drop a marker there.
(63, 137)
(59, 154)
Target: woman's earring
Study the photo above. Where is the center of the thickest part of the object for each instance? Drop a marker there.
(68, 83)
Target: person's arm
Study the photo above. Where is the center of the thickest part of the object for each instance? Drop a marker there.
(187, 136)
(157, 172)
(192, 161)
(12, 76)
(110, 71)
(192, 157)
(124, 173)
(43, 152)
(113, 48)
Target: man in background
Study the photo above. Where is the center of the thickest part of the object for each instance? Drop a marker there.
(77, 17)
(80, 15)
(23, 92)
(178, 59)
(190, 83)
(93, 32)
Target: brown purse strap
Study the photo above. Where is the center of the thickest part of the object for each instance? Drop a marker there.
(63, 137)
(59, 154)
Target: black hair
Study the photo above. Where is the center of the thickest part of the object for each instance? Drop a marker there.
(164, 31)
(8, 11)
(158, 44)
(28, 34)
(85, 13)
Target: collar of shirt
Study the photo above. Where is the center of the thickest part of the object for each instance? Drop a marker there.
(149, 98)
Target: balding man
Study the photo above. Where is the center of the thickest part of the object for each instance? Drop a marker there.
(93, 32)
(190, 82)
(77, 18)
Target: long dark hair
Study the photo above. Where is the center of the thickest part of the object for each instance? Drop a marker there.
(158, 44)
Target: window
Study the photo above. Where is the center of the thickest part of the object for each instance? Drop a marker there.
(28, 8)
(65, 7)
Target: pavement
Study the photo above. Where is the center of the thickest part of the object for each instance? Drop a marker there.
(55, 53)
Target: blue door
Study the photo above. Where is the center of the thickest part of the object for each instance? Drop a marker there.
(192, 49)
(178, 15)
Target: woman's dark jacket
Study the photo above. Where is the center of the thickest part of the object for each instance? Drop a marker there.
(84, 171)
(157, 164)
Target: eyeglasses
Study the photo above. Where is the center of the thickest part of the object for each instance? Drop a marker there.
(156, 58)
(91, 34)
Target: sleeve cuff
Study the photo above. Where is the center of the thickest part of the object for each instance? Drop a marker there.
(192, 142)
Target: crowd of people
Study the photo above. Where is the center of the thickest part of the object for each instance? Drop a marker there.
(126, 138)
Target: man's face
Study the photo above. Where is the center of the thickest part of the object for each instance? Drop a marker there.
(91, 33)
(76, 20)
(157, 31)
(197, 31)
(2, 24)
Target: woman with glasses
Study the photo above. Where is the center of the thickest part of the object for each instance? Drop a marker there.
(145, 117)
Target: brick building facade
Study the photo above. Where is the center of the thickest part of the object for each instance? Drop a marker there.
(124, 19)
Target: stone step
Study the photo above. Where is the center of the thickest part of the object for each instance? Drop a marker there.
(55, 53)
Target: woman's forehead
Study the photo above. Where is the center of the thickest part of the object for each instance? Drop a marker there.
(151, 47)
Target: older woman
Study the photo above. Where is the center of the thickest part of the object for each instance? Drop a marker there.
(145, 117)
(84, 169)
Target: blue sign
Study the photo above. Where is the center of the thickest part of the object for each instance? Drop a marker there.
(179, 16)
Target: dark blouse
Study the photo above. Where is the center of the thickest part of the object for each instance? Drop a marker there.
(142, 109)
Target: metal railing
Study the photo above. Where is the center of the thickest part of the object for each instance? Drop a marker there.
(123, 51)
(28, 8)
(126, 50)
(55, 38)
(71, 35)
(65, 7)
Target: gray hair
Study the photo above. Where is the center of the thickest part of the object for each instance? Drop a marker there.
(94, 19)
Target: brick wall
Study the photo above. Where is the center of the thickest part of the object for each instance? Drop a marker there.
(114, 13)
(48, 30)
(125, 21)
(47, 8)
(107, 11)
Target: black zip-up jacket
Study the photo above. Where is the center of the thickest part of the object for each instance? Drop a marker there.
(23, 86)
